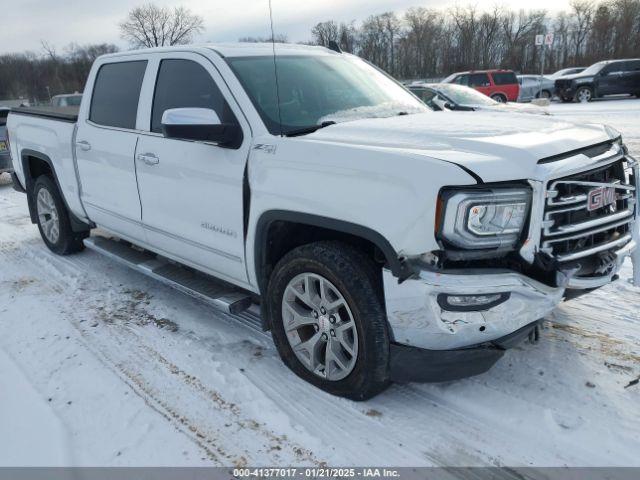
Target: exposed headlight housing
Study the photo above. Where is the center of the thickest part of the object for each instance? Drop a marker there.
(487, 219)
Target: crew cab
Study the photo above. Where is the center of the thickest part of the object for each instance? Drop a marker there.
(382, 241)
(500, 85)
(610, 77)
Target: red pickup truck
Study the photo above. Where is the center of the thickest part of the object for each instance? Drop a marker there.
(501, 85)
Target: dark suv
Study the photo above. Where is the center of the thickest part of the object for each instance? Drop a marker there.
(611, 77)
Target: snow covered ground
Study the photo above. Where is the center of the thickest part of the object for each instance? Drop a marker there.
(101, 366)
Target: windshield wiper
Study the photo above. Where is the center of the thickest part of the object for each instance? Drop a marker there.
(306, 130)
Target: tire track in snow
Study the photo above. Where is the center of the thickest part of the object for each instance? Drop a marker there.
(68, 277)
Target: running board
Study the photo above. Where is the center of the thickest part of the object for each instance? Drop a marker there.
(221, 296)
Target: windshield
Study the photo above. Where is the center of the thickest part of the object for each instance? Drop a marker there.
(594, 69)
(465, 96)
(450, 78)
(317, 89)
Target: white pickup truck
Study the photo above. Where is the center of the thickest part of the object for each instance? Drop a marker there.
(382, 241)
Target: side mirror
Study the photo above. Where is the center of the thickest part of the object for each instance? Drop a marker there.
(201, 124)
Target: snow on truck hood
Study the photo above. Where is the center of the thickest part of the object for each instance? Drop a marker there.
(495, 146)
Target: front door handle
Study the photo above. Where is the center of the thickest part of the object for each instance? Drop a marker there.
(83, 145)
(149, 158)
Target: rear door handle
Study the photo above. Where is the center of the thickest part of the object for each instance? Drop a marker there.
(83, 145)
(148, 158)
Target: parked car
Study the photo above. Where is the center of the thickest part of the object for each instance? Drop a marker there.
(501, 85)
(564, 72)
(5, 158)
(67, 100)
(383, 241)
(449, 96)
(535, 86)
(611, 77)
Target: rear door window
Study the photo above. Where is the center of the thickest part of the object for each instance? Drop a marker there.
(504, 78)
(186, 84)
(479, 80)
(116, 94)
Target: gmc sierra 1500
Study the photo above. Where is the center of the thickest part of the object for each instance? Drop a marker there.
(383, 241)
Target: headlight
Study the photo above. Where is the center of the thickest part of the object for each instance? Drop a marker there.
(486, 219)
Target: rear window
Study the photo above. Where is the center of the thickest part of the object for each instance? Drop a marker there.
(504, 78)
(116, 94)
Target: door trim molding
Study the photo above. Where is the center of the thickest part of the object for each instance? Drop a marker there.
(179, 238)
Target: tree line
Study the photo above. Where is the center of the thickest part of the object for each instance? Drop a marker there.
(430, 43)
(35, 77)
(420, 43)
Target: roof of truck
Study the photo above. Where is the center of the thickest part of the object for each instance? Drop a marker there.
(238, 49)
(258, 49)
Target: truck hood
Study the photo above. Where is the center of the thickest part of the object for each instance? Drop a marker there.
(577, 76)
(495, 146)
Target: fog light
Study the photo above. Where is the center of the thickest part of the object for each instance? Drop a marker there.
(471, 303)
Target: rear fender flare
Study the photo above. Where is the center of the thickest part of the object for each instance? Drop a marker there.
(77, 225)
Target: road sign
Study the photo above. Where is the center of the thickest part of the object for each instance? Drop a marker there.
(548, 39)
(539, 40)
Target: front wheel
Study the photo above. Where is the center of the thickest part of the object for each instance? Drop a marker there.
(499, 98)
(325, 307)
(584, 95)
(53, 219)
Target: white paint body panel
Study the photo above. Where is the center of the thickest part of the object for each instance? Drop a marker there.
(382, 174)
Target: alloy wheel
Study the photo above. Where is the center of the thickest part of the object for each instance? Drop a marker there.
(320, 327)
(584, 95)
(48, 215)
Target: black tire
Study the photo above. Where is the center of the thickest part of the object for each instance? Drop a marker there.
(359, 282)
(498, 97)
(68, 241)
(586, 91)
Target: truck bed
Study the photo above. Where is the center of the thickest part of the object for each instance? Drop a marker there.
(64, 114)
(48, 134)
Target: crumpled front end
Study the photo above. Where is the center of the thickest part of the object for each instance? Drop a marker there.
(582, 227)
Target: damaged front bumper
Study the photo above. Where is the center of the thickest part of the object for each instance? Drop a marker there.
(432, 342)
(418, 319)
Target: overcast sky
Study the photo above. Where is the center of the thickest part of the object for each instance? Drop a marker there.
(60, 22)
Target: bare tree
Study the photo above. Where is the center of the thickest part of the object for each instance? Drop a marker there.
(27, 75)
(583, 11)
(325, 32)
(153, 26)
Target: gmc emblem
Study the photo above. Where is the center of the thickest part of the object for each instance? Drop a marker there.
(600, 197)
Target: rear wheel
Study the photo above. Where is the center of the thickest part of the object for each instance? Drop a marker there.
(498, 97)
(584, 94)
(53, 219)
(328, 322)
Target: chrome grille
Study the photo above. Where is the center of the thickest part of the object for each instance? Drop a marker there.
(590, 213)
